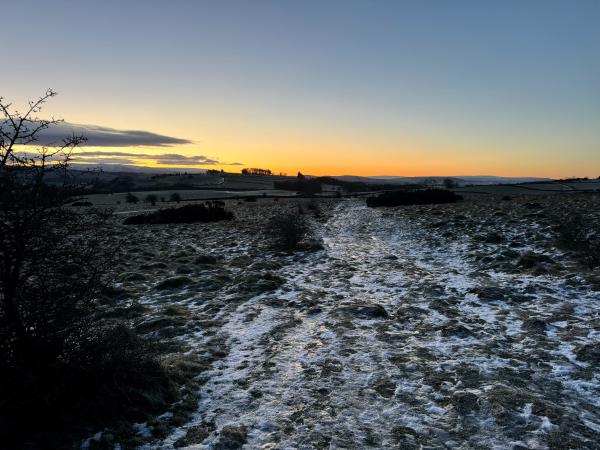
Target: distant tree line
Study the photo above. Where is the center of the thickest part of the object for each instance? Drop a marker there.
(314, 185)
(256, 171)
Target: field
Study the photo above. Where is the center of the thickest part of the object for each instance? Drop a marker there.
(438, 326)
(534, 188)
(118, 201)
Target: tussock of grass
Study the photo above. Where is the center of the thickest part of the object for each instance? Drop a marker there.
(173, 283)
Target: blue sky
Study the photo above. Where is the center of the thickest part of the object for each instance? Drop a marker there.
(370, 87)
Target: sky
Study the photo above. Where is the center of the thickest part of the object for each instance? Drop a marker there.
(410, 88)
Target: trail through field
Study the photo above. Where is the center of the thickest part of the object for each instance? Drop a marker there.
(389, 338)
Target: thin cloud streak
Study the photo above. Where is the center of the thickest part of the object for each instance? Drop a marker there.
(167, 159)
(125, 161)
(98, 136)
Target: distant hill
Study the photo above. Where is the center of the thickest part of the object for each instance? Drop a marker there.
(462, 180)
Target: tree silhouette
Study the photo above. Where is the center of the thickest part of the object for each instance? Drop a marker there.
(56, 357)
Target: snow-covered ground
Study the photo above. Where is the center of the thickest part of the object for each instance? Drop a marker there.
(408, 330)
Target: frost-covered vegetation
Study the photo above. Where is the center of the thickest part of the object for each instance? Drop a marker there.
(212, 211)
(413, 197)
(298, 323)
(69, 363)
(466, 324)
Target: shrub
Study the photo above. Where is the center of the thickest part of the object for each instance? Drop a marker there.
(414, 197)
(175, 197)
(288, 231)
(582, 236)
(202, 212)
(315, 208)
(130, 198)
(62, 366)
(64, 370)
(102, 374)
(152, 199)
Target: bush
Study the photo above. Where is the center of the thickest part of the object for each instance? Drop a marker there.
(64, 370)
(288, 231)
(62, 367)
(101, 375)
(202, 212)
(582, 236)
(130, 198)
(315, 208)
(175, 197)
(415, 197)
(152, 199)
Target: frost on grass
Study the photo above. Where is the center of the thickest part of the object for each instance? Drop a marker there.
(452, 326)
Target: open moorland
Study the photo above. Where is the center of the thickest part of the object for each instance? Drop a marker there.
(466, 325)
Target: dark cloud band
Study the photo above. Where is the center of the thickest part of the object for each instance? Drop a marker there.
(98, 136)
(165, 158)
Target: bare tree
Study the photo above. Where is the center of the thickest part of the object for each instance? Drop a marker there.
(28, 206)
(55, 355)
(24, 129)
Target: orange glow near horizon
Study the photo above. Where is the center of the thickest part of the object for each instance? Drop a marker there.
(329, 162)
(326, 88)
(331, 148)
(327, 145)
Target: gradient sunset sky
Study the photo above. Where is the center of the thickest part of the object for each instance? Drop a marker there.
(509, 88)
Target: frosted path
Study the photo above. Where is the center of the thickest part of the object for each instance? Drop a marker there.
(390, 338)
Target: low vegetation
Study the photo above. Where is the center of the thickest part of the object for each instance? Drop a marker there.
(581, 235)
(211, 211)
(66, 369)
(130, 198)
(152, 199)
(288, 230)
(413, 197)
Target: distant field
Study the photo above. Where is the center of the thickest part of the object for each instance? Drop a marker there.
(202, 187)
(112, 200)
(533, 188)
